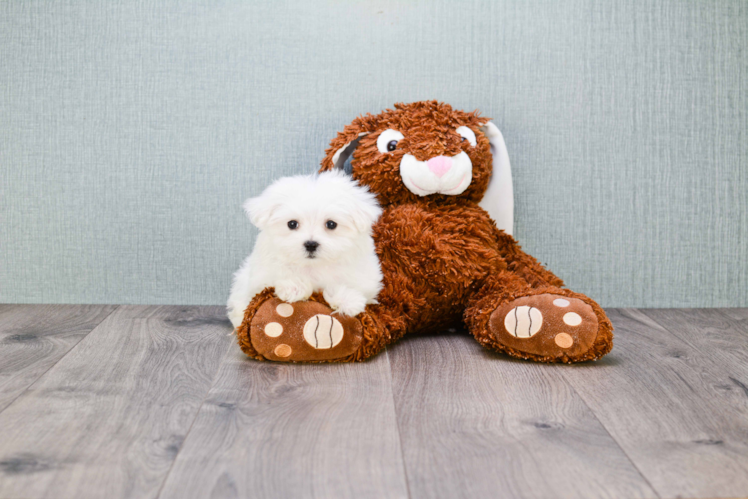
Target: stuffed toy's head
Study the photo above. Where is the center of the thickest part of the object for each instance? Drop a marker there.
(427, 152)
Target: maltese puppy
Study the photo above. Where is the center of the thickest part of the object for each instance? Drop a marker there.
(315, 235)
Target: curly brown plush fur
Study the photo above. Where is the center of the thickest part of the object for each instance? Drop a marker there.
(444, 261)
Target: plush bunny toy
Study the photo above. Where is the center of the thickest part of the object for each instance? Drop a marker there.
(440, 176)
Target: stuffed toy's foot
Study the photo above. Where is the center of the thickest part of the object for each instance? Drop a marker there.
(302, 331)
(563, 327)
(546, 325)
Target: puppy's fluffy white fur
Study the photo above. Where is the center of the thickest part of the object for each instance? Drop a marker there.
(344, 265)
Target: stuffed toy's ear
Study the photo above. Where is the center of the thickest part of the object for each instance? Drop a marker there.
(341, 158)
(340, 153)
(499, 198)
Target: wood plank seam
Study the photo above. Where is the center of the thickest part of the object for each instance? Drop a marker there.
(650, 313)
(676, 409)
(277, 430)
(129, 389)
(232, 345)
(474, 429)
(602, 424)
(397, 424)
(56, 362)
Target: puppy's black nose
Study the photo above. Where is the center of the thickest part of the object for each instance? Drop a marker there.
(311, 246)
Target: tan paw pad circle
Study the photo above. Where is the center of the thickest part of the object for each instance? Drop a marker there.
(323, 332)
(284, 310)
(282, 350)
(561, 303)
(564, 340)
(523, 321)
(273, 329)
(572, 319)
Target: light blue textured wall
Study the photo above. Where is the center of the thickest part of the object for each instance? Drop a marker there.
(130, 133)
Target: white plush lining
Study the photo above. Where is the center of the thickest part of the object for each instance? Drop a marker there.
(342, 154)
(499, 198)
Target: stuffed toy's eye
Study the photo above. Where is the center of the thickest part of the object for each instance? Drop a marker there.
(331, 224)
(468, 134)
(387, 140)
(292, 224)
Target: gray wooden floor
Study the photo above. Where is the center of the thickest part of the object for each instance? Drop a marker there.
(158, 401)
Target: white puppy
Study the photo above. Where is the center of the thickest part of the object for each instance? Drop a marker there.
(315, 234)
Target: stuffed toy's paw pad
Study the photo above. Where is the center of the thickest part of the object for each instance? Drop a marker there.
(546, 325)
(303, 331)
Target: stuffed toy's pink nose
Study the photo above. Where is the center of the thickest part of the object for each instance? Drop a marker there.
(439, 165)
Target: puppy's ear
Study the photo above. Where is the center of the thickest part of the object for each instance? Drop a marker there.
(364, 215)
(259, 210)
(340, 153)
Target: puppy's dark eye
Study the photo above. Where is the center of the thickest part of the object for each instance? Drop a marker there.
(292, 224)
(331, 224)
(392, 145)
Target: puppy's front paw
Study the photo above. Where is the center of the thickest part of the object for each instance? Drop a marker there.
(236, 316)
(293, 291)
(235, 311)
(345, 301)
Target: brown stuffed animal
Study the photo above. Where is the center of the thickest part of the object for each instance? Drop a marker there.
(444, 260)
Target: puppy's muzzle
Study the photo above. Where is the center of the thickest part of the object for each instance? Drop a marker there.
(311, 247)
